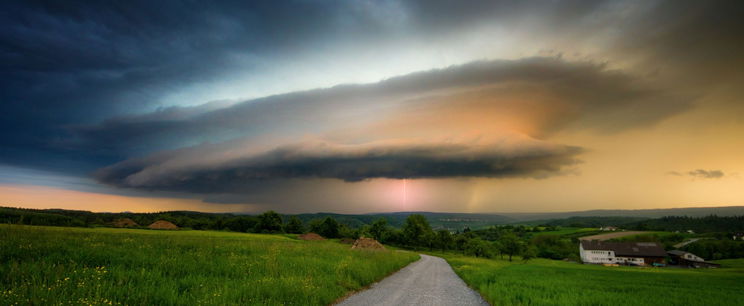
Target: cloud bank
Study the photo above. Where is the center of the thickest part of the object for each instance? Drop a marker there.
(186, 170)
(480, 119)
(545, 93)
(700, 173)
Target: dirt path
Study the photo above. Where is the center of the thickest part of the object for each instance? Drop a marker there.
(612, 235)
(684, 243)
(429, 281)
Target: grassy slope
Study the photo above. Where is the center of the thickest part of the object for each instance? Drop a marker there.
(41, 265)
(570, 231)
(737, 263)
(548, 282)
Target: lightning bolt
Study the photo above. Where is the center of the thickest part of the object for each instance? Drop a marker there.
(405, 193)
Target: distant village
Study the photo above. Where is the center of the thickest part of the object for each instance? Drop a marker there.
(639, 253)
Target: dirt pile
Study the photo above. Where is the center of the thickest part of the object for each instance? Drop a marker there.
(162, 224)
(124, 222)
(310, 236)
(367, 244)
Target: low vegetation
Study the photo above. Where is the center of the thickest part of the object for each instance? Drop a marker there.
(707, 224)
(551, 282)
(136, 266)
(50, 265)
(594, 221)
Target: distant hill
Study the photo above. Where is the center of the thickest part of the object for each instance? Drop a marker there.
(450, 221)
(592, 221)
(438, 220)
(643, 213)
(697, 224)
(219, 221)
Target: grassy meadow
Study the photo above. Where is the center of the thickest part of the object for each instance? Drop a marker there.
(571, 231)
(551, 282)
(105, 266)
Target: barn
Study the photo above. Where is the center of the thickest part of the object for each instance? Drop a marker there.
(687, 259)
(624, 253)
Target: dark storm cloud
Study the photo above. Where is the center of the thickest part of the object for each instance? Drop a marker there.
(600, 99)
(700, 41)
(65, 63)
(351, 163)
(700, 173)
(79, 81)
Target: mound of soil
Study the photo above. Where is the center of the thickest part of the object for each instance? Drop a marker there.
(367, 244)
(162, 224)
(124, 222)
(310, 236)
(346, 241)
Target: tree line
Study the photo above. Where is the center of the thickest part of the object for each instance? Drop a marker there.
(505, 241)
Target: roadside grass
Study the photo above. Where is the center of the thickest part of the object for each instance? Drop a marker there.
(550, 282)
(105, 266)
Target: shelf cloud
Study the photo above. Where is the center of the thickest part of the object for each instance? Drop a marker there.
(209, 171)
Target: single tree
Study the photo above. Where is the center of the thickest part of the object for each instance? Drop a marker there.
(294, 226)
(444, 240)
(510, 245)
(417, 231)
(478, 248)
(329, 228)
(497, 248)
(379, 229)
(269, 222)
(529, 253)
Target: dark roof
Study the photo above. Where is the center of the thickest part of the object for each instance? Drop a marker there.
(637, 249)
(677, 252)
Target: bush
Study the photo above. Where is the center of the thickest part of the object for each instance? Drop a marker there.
(269, 222)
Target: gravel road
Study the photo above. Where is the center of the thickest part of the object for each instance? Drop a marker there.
(428, 281)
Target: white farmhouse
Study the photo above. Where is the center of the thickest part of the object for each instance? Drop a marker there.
(608, 228)
(593, 255)
(627, 253)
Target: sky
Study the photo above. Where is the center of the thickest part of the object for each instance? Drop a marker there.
(371, 106)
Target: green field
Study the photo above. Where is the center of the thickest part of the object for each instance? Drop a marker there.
(550, 282)
(571, 231)
(102, 266)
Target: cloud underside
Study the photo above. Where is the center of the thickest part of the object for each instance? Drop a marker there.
(700, 173)
(536, 96)
(350, 163)
(490, 119)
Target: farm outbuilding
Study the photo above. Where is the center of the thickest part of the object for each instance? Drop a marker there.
(687, 259)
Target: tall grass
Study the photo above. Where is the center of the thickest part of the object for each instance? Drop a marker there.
(548, 282)
(48, 265)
